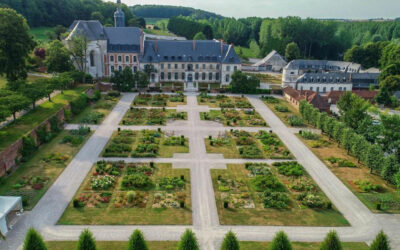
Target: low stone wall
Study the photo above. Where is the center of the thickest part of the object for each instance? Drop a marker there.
(11, 155)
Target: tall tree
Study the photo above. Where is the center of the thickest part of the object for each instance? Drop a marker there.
(331, 242)
(244, 83)
(188, 241)
(34, 241)
(200, 36)
(78, 47)
(15, 102)
(281, 242)
(230, 242)
(137, 242)
(292, 51)
(15, 44)
(381, 242)
(58, 58)
(86, 241)
(353, 109)
(33, 91)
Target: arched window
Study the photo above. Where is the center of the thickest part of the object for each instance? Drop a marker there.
(92, 64)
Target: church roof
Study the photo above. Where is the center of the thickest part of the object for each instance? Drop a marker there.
(189, 51)
(123, 39)
(92, 29)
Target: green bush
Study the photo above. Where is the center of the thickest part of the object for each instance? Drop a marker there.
(367, 186)
(311, 200)
(309, 135)
(93, 117)
(272, 199)
(263, 182)
(133, 181)
(28, 147)
(295, 121)
(86, 241)
(33, 241)
(79, 104)
(281, 108)
(289, 168)
(114, 93)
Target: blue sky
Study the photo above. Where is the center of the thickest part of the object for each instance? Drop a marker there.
(353, 9)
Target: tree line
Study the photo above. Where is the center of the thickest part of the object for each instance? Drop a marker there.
(183, 26)
(167, 11)
(34, 241)
(377, 146)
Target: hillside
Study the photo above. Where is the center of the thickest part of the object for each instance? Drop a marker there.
(167, 11)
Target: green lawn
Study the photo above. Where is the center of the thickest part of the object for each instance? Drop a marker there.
(107, 245)
(151, 20)
(158, 32)
(14, 131)
(246, 203)
(246, 52)
(152, 204)
(47, 163)
(40, 33)
(3, 80)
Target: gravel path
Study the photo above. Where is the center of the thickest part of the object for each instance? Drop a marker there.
(45, 215)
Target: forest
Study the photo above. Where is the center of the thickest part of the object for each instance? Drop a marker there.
(167, 11)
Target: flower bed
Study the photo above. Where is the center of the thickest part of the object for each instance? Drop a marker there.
(140, 116)
(235, 118)
(223, 101)
(159, 100)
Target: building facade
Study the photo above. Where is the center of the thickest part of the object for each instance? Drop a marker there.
(173, 61)
(325, 76)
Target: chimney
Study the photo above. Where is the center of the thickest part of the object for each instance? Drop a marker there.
(194, 45)
(156, 46)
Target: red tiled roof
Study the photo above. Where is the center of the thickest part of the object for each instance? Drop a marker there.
(311, 97)
(333, 96)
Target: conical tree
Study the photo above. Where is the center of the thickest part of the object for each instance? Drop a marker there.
(381, 242)
(188, 241)
(137, 242)
(34, 241)
(281, 242)
(331, 242)
(86, 241)
(230, 242)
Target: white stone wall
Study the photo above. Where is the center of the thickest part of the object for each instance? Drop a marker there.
(325, 87)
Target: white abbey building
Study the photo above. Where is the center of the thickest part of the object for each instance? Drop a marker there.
(174, 61)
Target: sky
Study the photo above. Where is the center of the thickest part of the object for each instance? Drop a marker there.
(349, 9)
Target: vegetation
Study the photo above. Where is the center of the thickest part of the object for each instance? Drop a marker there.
(230, 242)
(188, 241)
(160, 100)
(142, 116)
(244, 83)
(106, 245)
(86, 241)
(131, 194)
(292, 52)
(137, 241)
(34, 241)
(224, 102)
(281, 242)
(381, 242)
(235, 118)
(331, 242)
(167, 11)
(188, 28)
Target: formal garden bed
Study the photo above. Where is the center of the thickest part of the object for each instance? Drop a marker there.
(377, 194)
(223, 101)
(131, 194)
(145, 144)
(286, 112)
(155, 116)
(98, 110)
(33, 177)
(160, 100)
(281, 195)
(242, 144)
(235, 118)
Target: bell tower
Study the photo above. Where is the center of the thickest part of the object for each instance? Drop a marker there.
(119, 16)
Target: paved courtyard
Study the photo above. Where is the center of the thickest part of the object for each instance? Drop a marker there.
(364, 224)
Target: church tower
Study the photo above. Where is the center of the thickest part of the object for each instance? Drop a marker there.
(119, 16)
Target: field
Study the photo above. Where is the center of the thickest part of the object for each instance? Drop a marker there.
(241, 144)
(258, 194)
(32, 178)
(26, 123)
(131, 194)
(107, 245)
(40, 33)
(145, 144)
(96, 112)
(267, 78)
(371, 189)
(235, 118)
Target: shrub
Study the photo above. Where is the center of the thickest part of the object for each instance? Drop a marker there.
(281, 108)
(309, 135)
(251, 152)
(114, 93)
(79, 104)
(341, 162)
(34, 241)
(188, 241)
(93, 117)
(230, 242)
(226, 204)
(272, 199)
(331, 242)
(55, 124)
(102, 182)
(270, 99)
(281, 242)
(381, 242)
(28, 147)
(86, 241)
(290, 168)
(295, 121)
(76, 203)
(311, 200)
(367, 186)
(96, 95)
(136, 181)
(169, 183)
(263, 182)
(137, 241)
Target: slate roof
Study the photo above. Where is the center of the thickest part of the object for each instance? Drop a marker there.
(330, 77)
(123, 39)
(322, 65)
(268, 58)
(188, 51)
(92, 29)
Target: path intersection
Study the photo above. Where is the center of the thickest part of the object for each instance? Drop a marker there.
(364, 224)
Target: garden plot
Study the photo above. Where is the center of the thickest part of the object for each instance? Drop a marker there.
(246, 145)
(34, 176)
(286, 112)
(377, 194)
(131, 194)
(235, 118)
(98, 110)
(223, 101)
(159, 100)
(280, 195)
(142, 116)
(145, 144)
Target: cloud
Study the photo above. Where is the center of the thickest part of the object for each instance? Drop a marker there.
(354, 9)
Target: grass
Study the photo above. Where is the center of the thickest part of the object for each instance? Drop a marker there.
(158, 32)
(37, 166)
(282, 115)
(30, 78)
(39, 33)
(158, 117)
(143, 214)
(235, 118)
(388, 196)
(116, 245)
(23, 125)
(295, 215)
(150, 20)
(103, 106)
(267, 78)
(301, 245)
(245, 52)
